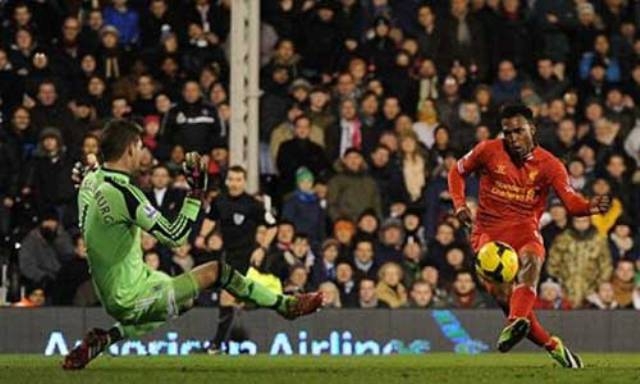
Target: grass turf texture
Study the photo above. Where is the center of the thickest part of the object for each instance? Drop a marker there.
(429, 368)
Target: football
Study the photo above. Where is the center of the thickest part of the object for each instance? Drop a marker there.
(497, 262)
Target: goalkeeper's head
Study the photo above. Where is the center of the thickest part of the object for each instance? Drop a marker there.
(121, 144)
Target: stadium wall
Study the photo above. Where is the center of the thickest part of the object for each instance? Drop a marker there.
(53, 331)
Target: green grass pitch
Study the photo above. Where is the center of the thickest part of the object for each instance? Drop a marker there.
(429, 368)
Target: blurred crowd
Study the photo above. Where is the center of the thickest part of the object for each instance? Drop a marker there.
(365, 105)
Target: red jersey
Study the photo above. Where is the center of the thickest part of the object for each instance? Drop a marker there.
(513, 197)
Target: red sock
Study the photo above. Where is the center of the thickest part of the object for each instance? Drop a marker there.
(521, 302)
(538, 334)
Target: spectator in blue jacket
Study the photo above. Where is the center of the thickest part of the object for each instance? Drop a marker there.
(601, 52)
(303, 208)
(125, 20)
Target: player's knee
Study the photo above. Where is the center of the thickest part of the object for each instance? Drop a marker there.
(530, 266)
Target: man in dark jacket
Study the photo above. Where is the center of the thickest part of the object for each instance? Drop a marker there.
(298, 152)
(49, 111)
(165, 198)
(193, 123)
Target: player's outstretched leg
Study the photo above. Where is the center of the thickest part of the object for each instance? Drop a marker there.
(225, 277)
(522, 298)
(92, 345)
(560, 353)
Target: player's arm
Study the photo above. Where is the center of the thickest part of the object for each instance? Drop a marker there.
(139, 211)
(575, 203)
(471, 162)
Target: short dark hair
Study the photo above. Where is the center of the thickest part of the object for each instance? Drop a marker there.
(117, 136)
(301, 117)
(512, 110)
(238, 169)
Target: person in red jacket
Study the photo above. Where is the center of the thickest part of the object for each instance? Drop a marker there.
(516, 176)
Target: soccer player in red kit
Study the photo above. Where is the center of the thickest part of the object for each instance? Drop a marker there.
(516, 176)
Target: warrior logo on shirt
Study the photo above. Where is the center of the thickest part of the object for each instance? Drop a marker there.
(238, 218)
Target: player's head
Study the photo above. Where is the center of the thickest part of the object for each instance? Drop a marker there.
(122, 143)
(236, 180)
(516, 122)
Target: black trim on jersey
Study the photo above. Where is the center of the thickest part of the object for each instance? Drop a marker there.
(168, 235)
(129, 198)
(116, 171)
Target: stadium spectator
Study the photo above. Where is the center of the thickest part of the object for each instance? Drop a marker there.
(464, 293)
(580, 259)
(162, 195)
(125, 20)
(604, 298)
(551, 297)
(331, 296)
(73, 282)
(389, 288)
(368, 296)
(297, 281)
(623, 243)
(623, 283)
(352, 190)
(346, 284)
(325, 266)
(43, 251)
(364, 262)
(421, 295)
(298, 152)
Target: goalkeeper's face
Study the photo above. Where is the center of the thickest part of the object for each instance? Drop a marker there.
(135, 153)
(518, 135)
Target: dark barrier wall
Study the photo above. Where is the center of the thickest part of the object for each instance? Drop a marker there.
(53, 331)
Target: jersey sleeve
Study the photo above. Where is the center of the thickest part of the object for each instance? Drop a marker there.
(471, 162)
(135, 208)
(575, 203)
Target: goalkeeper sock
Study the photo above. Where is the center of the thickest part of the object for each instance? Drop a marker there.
(248, 290)
(538, 334)
(521, 302)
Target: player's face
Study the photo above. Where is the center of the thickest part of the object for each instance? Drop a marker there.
(235, 183)
(518, 135)
(136, 154)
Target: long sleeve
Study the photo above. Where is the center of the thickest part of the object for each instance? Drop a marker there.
(472, 161)
(575, 203)
(131, 205)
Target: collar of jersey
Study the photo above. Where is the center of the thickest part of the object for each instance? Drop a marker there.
(115, 173)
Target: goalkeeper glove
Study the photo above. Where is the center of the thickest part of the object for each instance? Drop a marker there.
(82, 169)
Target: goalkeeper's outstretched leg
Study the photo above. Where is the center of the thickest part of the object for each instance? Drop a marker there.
(165, 298)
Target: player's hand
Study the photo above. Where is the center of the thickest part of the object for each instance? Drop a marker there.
(195, 170)
(82, 168)
(464, 215)
(600, 204)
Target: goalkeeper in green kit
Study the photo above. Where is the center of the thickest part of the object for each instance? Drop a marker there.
(112, 214)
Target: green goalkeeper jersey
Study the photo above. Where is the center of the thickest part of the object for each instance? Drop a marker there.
(112, 213)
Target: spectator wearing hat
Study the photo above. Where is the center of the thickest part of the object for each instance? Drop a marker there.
(48, 176)
(125, 20)
(319, 110)
(352, 190)
(113, 61)
(550, 297)
(603, 298)
(299, 151)
(43, 250)
(580, 259)
(368, 224)
(303, 208)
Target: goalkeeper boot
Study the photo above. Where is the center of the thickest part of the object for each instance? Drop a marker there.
(300, 305)
(562, 354)
(93, 344)
(513, 333)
